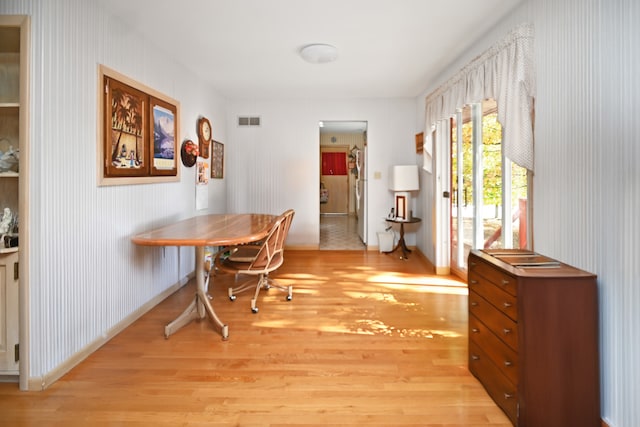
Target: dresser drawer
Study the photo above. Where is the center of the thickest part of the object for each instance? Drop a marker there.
(503, 356)
(502, 300)
(496, 321)
(500, 279)
(501, 390)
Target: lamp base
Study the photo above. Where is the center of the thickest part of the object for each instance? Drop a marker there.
(402, 205)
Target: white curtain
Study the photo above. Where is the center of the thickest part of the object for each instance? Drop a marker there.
(505, 73)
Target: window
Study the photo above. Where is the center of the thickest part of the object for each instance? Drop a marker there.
(489, 193)
(504, 72)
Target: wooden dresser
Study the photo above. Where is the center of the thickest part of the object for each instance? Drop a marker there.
(533, 337)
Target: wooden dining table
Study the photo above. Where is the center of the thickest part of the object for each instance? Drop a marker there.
(202, 231)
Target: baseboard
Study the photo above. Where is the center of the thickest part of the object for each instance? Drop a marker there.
(41, 383)
(604, 423)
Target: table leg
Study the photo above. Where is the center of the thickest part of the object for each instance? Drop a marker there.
(401, 244)
(187, 316)
(200, 306)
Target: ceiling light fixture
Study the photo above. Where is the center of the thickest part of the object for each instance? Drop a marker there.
(319, 53)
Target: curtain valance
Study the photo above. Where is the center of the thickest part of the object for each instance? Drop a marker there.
(505, 73)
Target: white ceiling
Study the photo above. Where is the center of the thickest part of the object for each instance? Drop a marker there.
(249, 48)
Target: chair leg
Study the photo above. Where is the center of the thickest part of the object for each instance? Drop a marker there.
(243, 287)
(273, 283)
(264, 282)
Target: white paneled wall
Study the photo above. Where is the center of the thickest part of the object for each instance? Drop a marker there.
(587, 179)
(587, 184)
(85, 274)
(276, 166)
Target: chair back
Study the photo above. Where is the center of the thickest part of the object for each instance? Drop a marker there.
(271, 253)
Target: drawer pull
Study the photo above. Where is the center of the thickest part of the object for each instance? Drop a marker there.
(506, 331)
(475, 330)
(473, 264)
(508, 396)
(475, 357)
(507, 304)
(505, 282)
(474, 304)
(508, 363)
(474, 282)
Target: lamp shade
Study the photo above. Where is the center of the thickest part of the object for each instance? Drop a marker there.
(403, 178)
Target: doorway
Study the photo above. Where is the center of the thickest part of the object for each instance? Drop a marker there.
(343, 189)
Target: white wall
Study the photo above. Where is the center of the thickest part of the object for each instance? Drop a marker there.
(276, 166)
(85, 274)
(587, 180)
(587, 184)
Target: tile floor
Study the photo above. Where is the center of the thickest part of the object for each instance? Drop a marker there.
(339, 232)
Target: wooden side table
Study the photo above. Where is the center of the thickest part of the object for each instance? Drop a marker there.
(401, 243)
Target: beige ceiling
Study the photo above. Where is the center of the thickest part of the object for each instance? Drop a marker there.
(248, 49)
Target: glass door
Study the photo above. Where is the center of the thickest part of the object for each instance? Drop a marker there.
(489, 194)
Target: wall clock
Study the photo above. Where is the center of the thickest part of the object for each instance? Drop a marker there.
(204, 136)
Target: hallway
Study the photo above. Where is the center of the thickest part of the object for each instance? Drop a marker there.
(339, 232)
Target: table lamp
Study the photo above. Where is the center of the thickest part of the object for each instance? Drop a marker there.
(402, 180)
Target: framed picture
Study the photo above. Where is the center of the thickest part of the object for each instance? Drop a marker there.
(419, 142)
(125, 124)
(202, 177)
(217, 159)
(163, 144)
(137, 141)
(401, 208)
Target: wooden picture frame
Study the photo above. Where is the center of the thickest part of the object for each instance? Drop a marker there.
(130, 150)
(125, 124)
(419, 142)
(401, 208)
(163, 145)
(217, 159)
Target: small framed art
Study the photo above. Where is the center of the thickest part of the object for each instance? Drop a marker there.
(217, 159)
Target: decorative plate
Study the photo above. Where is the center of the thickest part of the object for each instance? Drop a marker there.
(189, 153)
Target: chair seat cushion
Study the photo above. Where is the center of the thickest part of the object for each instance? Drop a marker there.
(245, 253)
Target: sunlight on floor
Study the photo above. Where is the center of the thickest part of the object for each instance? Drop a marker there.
(405, 282)
(380, 296)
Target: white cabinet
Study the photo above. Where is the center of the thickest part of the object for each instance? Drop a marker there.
(9, 306)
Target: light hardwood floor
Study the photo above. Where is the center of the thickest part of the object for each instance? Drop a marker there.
(368, 339)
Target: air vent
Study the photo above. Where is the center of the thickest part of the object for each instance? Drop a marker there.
(248, 121)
